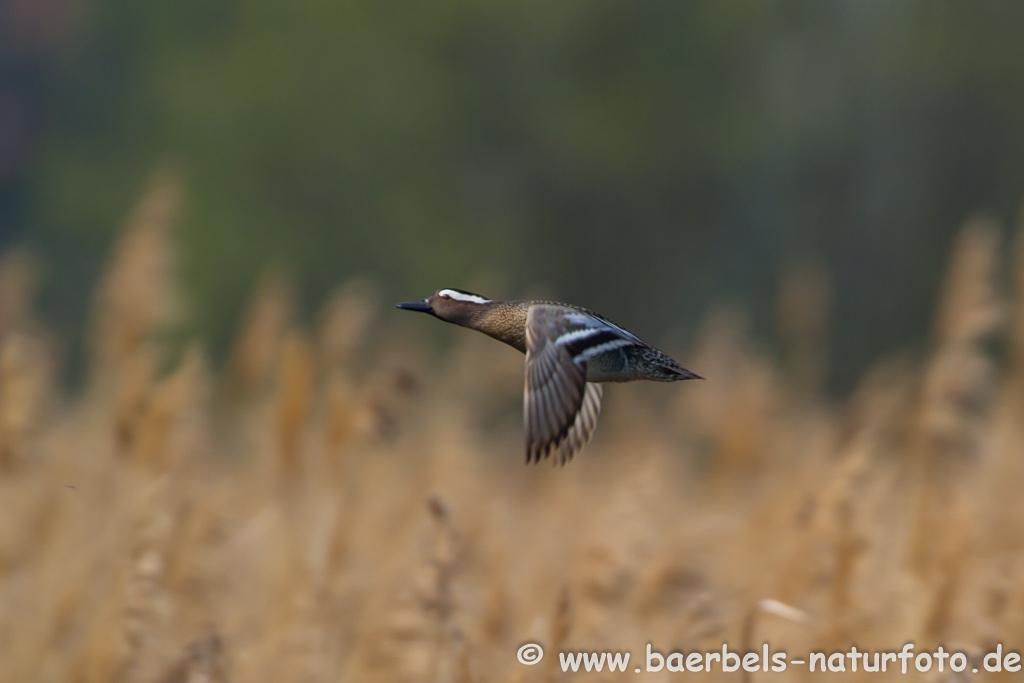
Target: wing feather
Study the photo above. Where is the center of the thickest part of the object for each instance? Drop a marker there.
(560, 407)
(586, 422)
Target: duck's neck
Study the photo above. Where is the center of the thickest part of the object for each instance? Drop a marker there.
(503, 320)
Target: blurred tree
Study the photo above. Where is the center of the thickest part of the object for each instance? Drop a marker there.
(658, 152)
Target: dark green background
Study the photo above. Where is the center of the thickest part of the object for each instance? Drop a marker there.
(643, 158)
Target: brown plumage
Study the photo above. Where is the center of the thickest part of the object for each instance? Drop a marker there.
(569, 352)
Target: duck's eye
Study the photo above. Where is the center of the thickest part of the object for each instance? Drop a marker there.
(444, 295)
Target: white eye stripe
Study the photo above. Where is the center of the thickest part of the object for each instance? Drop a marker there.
(577, 334)
(462, 296)
(601, 348)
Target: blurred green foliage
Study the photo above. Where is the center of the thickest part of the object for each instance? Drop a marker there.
(645, 158)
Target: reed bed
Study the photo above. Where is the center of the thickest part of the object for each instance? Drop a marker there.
(337, 505)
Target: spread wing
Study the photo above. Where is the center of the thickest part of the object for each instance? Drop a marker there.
(586, 421)
(560, 408)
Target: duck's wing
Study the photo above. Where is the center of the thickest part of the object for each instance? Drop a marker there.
(560, 407)
(583, 428)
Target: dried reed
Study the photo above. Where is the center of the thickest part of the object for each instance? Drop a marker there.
(150, 540)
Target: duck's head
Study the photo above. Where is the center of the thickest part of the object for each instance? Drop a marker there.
(451, 305)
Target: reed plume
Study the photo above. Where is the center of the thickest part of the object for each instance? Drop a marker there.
(317, 510)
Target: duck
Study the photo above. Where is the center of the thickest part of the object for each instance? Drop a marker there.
(570, 352)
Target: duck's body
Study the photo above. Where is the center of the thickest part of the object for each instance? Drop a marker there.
(569, 351)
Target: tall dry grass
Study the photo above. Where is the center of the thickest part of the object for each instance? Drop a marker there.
(334, 507)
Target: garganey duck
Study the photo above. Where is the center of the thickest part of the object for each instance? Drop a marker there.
(569, 351)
